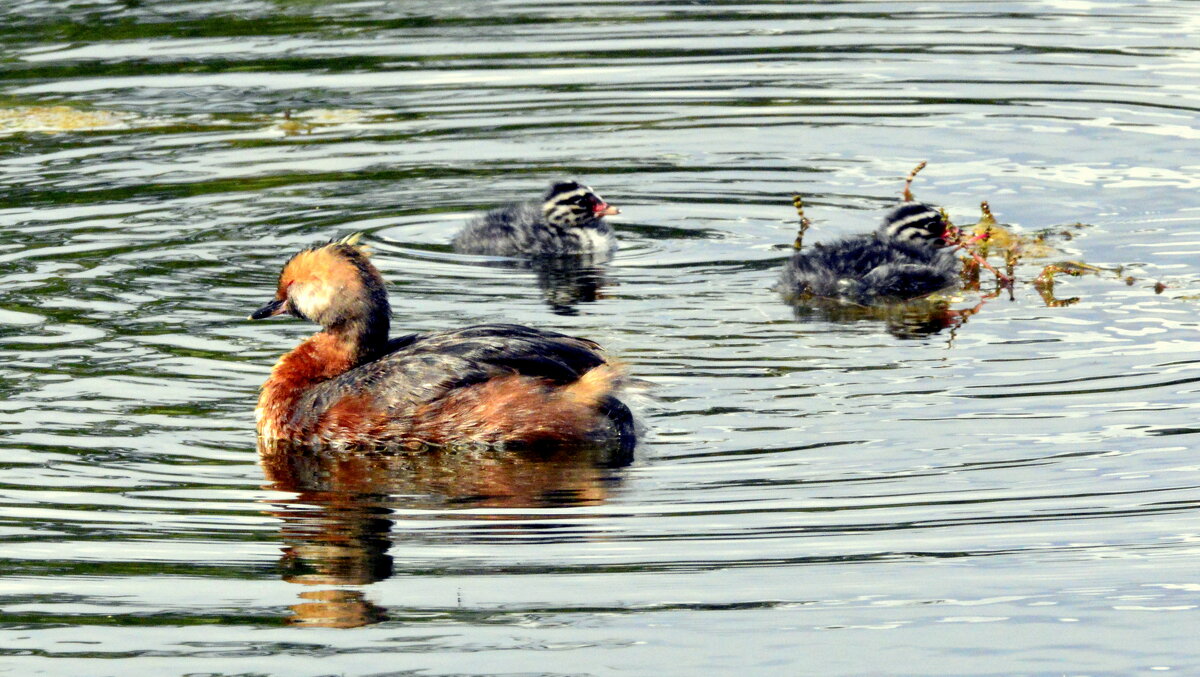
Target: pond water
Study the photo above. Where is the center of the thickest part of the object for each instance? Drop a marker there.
(1013, 491)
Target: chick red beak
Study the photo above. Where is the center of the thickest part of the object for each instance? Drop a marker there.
(603, 209)
(275, 307)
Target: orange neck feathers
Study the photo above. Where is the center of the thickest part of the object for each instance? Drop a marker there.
(317, 359)
(337, 287)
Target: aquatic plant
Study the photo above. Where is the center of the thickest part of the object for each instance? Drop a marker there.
(798, 203)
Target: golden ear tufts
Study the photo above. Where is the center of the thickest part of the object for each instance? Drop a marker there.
(352, 240)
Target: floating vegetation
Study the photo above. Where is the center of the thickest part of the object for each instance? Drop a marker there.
(291, 126)
(988, 239)
(58, 119)
(313, 121)
(985, 245)
(907, 195)
(1044, 283)
(336, 116)
(798, 203)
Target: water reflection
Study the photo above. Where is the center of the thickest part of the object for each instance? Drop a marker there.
(140, 224)
(337, 528)
(914, 319)
(565, 281)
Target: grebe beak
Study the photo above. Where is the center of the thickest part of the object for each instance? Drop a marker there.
(275, 307)
(603, 209)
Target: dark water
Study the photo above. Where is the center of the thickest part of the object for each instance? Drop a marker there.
(1016, 493)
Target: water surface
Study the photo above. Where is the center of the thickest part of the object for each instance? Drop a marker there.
(1010, 492)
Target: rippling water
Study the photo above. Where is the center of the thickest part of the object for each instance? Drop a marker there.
(1012, 491)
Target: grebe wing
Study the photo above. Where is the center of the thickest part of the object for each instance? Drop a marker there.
(507, 348)
(424, 367)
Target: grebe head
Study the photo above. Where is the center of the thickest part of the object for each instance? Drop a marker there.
(569, 204)
(333, 285)
(916, 223)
